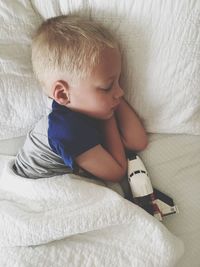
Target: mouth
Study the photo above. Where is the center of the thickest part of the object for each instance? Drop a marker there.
(115, 106)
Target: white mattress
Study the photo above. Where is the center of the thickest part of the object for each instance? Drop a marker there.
(173, 162)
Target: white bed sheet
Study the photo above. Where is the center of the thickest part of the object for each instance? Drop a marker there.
(10, 146)
(173, 162)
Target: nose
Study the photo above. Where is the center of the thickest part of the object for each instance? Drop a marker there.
(118, 92)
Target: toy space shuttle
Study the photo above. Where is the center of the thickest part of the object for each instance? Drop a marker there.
(152, 200)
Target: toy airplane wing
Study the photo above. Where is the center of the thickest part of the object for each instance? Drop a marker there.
(165, 203)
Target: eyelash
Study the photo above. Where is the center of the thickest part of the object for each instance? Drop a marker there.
(108, 88)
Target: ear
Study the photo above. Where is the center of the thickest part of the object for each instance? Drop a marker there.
(61, 92)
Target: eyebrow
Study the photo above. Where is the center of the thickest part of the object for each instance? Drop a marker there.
(109, 80)
(113, 76)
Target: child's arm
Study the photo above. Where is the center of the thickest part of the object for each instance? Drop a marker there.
(107, 162)
(132, 132)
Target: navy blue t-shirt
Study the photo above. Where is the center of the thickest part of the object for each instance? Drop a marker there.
(71, 133)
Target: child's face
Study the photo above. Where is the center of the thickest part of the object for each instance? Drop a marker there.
(99, 94)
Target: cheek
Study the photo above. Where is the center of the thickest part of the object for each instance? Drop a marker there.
(106, 100)
(104, 105)
(99, 102)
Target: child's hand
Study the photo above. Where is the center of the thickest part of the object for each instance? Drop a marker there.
(132, 131)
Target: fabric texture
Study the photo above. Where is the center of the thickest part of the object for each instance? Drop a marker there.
(35, 159)
(173, 164)
(160, 48)
(68, 221)
(21, 101)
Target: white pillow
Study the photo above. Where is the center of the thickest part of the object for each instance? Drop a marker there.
(160, 43)
(161, 69)
(20, 95)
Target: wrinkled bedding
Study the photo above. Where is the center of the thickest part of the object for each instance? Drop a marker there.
(160, 46)
(68, 221)
(173, 162)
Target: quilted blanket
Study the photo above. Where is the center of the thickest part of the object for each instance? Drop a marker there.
(71, 221)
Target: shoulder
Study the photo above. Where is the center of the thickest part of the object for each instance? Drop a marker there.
(72, 131)
(65, 123)
(41, 126)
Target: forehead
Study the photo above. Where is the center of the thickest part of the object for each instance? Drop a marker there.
(109, 64)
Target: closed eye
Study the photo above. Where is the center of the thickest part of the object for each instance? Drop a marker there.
(109, 88)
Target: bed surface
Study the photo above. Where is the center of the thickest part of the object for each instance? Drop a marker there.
(173, 162)
(10, 146)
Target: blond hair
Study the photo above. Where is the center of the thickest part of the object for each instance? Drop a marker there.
(68, 44)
